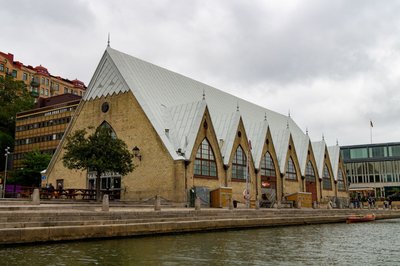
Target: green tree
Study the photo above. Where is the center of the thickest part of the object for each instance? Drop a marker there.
(14, 98)
(101, 152)
(33, 163)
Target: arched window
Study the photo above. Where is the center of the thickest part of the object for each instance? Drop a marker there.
(326, 179)
(204, 164)
(310, 174)
(239, 164)
(340, 180)
(108, 126)
(267, 166)
(291, 170)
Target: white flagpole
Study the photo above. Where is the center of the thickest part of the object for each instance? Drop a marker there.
(371, 125)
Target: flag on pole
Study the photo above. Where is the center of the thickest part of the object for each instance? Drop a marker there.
(372, 125)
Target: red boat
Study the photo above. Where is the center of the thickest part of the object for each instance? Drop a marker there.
(360, 218)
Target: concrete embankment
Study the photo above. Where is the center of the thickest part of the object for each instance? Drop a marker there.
(28, 224)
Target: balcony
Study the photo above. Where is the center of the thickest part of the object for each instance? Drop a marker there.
(35, 84)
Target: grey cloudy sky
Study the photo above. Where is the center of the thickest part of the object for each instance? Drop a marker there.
(334, 64)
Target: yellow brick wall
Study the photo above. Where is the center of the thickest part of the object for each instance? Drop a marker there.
(290, 186)
(239, 186)
(310, 157)
(155, 174)
(329, 193)
(269, 147)
(206, 130)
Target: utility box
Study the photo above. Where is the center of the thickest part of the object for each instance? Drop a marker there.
(203, 193)
(220, 197)
(304, 198)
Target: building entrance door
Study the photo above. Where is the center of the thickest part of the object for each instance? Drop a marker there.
(312, 188)
(268, 190)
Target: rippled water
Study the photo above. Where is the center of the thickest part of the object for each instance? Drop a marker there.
(376, 243)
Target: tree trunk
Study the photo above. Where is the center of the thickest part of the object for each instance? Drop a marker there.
(98, 180)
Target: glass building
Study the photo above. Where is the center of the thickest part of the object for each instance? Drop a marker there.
(373, 167)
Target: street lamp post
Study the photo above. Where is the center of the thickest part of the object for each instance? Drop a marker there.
(5, 171)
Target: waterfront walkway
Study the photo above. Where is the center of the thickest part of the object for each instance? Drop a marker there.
(22, 222)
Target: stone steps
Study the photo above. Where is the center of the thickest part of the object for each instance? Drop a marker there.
(44, 224)
(23, 219)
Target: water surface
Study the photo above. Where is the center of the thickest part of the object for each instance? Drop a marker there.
(375, 243)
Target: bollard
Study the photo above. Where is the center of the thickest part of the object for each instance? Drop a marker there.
(157, 205)
(106, 203)
(230, 203)
(36, 197)
(314, 205)
(257, 203)
(298, 204)
(197, 204)
(329, 205)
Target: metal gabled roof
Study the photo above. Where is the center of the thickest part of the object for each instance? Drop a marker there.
(302, 145)
(157, 90)
(184, 121)
(334, 155)
(226, 127)
(257, 134)
(319, 155)
(281, 141)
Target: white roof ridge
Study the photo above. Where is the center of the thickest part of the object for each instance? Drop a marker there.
(319, 155)
(334, 156)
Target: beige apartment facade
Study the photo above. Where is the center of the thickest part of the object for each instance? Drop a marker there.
(38, 80)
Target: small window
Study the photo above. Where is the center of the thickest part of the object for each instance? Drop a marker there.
(43, 81)
(326, 179)
(24, 76)
(341, 185)
(310, 174)
(267, 166)
(1, 67)
(14, 73)
(204, 164)
(291, 170)
(107, 125)
(239, 164)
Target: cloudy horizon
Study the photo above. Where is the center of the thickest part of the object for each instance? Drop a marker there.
(334, 65)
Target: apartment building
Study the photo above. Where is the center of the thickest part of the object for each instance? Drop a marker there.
(38, 79)
(43, 127)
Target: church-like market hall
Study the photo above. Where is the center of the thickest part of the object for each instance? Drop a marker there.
(190, 139)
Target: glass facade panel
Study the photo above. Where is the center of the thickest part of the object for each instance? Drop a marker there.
(377, 152)
(394, 151)
(359, 153)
